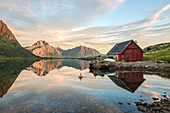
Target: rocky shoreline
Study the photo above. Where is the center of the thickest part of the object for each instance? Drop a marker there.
(159, 106)
(144, 66)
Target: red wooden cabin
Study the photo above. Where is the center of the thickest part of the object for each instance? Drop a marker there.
(126, 51)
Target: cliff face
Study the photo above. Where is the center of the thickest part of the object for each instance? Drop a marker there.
(6, 34)
(9, 46)
(43, 49)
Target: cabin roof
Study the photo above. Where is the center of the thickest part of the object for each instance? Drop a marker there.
(120, 47)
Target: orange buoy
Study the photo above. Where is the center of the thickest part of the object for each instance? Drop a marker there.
(80, 76)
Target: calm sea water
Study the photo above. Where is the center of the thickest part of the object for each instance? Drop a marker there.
(53, 86)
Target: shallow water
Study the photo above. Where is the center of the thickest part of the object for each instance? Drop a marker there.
(54, 86)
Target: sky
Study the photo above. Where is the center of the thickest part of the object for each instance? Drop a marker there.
(98, 24)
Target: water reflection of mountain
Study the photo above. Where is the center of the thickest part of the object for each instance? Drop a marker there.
(129, 81)
(43, 67)
(9, 71)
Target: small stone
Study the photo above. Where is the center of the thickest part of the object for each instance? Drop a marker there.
(164, 111)
(120, 103)
(142, 108)
(129, 103)
(138, 103)
(168, 99)
(166, 108)
(141, 100)
(156, 108)
(154, 98)
(149, 105)
(145, 104)
(164, 96)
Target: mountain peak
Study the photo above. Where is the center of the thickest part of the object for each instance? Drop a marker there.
(41, 43)
(44, 49)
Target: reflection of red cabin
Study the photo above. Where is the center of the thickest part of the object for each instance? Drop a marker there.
(132, 79)
(126, 51)
(129, 81)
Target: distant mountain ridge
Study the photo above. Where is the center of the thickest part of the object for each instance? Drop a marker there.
(9, 46)
(43, 49)
(81, 51)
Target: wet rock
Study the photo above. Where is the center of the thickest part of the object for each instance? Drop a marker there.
(120, 103)
(149, 105)
(129, 103)
(159, 61)
(144, 104)
(142, 108)
(138, 103)
(104, 66)
(164, 95)
(163, 106)
(154, 98)
(166, 108)
(164, 111)
(156, 108)
(141, 100)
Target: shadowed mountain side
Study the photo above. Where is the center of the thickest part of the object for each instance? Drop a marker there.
(43, 67)
(77, 64)
(80, 51)
(9, 71)
(9, 46)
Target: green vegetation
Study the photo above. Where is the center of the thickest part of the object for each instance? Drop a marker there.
(12, 67)
(157, 52)
(13, 50)
(9, 71)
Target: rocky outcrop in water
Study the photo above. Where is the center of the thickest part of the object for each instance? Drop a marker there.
(153, 66)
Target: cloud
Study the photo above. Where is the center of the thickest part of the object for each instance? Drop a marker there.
(107, 36)
(68, 23)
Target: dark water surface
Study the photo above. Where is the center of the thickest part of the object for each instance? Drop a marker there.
(54, 86)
